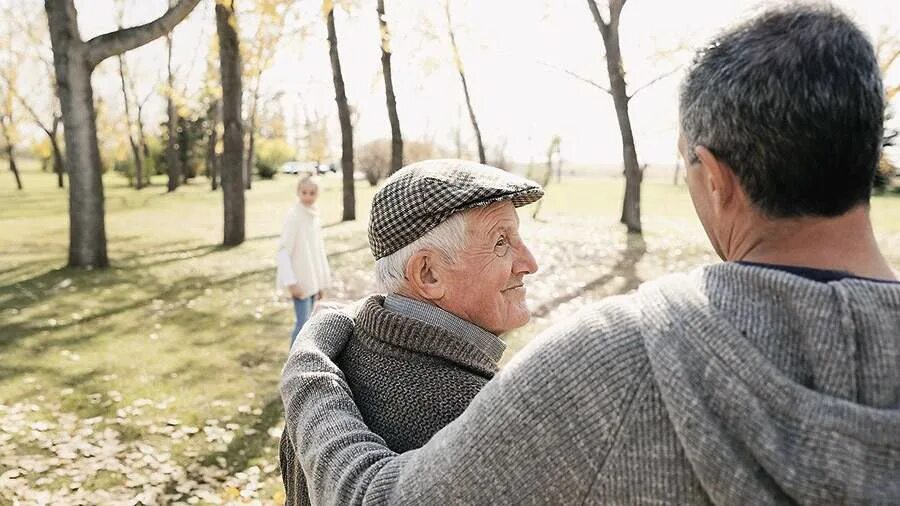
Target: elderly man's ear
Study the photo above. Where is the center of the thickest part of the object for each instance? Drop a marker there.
(423, 275)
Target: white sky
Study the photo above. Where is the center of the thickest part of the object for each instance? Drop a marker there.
(517, 99)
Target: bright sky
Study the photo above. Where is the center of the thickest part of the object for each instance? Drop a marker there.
(518, 100)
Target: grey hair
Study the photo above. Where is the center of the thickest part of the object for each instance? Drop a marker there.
(448, 238)
(792, 100)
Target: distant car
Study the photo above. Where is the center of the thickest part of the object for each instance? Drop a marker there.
(296, 167)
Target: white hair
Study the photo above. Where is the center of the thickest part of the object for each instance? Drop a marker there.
(447, 239)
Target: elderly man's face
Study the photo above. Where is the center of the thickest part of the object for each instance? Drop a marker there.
(486, 284)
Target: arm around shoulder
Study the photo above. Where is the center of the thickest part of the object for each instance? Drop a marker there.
(538, 432)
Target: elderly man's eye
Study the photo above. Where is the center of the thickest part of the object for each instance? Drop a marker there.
(502, 246)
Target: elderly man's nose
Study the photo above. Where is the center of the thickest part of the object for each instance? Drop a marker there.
(525, 262)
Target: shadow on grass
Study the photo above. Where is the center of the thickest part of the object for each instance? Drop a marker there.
(625, 267)
(53, 288)
(11, 371)
(245, 448)
(81, 382)
(12, 272)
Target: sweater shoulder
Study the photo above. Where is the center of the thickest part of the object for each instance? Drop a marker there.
(592, 363)
(600, 335)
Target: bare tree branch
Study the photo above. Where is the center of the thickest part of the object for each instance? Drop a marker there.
(110, 44)
(653, 81)
(889, 60)
(24, 104)
(615, 11)
(891, 91)
(581, 78)
(595, 11)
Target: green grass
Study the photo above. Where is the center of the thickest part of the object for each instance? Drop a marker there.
(182, 333)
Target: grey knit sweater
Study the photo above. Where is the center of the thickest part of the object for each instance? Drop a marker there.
(732, 385)
(408, 378)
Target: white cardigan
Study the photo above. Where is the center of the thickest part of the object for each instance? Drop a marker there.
(301, 252)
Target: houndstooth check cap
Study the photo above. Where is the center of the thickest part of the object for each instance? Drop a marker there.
(422, 195)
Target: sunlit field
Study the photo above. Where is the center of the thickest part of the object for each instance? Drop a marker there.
(157, 378)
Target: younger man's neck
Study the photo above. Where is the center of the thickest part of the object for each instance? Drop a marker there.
(843, 243)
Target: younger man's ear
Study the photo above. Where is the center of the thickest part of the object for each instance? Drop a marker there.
(717, 176)
(423, 277)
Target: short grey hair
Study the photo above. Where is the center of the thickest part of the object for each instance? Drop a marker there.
(448, 238)
(792, 100)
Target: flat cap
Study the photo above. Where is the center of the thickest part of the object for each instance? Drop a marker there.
(422, 195)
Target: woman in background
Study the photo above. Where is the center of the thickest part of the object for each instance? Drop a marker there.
(302, 262)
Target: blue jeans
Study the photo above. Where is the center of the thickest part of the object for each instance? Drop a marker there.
(302, 308)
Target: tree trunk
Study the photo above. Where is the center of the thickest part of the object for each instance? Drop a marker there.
(73, 62)
(87, 230)
(233, 138)
(6, 122)
(396, 135)
(248, 170)
(173, 170)
(462, 77)
(212, 166)
(481, 157)
(251, 135)
(12, 164)
(631, 205)
(185, 146)
(251, 140)
(135, 150)
(346, 125)
(58, 166)
(145, 149)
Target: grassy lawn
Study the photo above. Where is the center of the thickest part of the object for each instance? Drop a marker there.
(156, 379)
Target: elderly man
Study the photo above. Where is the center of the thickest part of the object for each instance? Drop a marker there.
(418, 356)
(772, 378)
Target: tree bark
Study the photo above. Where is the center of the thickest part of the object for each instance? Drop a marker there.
(391, 99)
(51, 131)
(74, 60)
(142, 139)
(631, 204)
(346, 124)
(462, 77)
(135, 150)
(145, 149)
(248, 170)
(172, 168)
(233, 138)
(212, 165)
(10, 150)
(59, 166)
(251, 137)
(12, 165)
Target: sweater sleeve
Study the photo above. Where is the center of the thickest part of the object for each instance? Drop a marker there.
(537, 433)
(285, 275)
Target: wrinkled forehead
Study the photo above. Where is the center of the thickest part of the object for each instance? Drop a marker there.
(496, 216)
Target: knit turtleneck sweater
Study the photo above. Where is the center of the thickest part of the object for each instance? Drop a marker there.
(409, 379)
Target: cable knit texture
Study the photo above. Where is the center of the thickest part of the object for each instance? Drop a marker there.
(408, 378)
(733, 384)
